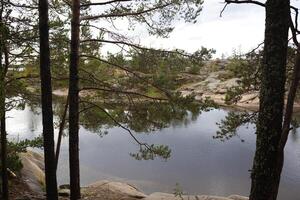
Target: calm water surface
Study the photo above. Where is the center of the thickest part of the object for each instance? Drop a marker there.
(199, 163)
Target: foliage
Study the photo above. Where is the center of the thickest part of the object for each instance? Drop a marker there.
(233, 95)
(228, 126)
(178, 191)
(15, 148)
(247, 68)
(157, 16)
(152, 151)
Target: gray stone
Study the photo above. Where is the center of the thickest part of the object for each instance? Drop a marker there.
(64, 192)
(238, 197)
(33, 170)
(112, 190)
(166, 196)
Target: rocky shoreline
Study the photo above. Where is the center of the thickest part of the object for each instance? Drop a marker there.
(211, 87)
(214, 88)
(32, 175)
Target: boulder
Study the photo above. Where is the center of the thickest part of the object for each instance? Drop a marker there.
(64, 192)
(33, 170)
(112, 191)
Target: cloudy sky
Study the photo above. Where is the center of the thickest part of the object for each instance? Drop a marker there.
(240, 28)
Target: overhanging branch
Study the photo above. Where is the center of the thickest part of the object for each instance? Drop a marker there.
(125, 14)
(103, 3)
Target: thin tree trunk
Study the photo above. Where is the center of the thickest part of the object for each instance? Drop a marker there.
(74, 103)
(5, 194)
(61, 130)
(288, 115)
(290, 102)
(265, 175)
(47, 112)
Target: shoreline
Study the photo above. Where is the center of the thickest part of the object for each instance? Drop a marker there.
(245, 104)
(33, 177)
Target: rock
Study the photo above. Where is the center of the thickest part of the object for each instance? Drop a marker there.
(186, 93)
(162, 196)
(60, 92)
(33, 170)
(166, 196)
(250, 98)
(23, 198)
(231, 83)
(64, 192)
(65, 186)
(237, 197)
(212, 83)
(112, 191)
(30, 197)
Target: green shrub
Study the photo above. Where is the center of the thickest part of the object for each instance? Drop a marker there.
(15, 148)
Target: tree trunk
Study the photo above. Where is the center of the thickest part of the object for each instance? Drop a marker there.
(74, 103)
(61, 130)
(4, 176)
(47, 112)
(5, 193)
(3, 128)
(265, 175)
(288, 114)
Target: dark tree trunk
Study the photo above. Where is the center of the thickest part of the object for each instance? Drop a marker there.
(4, 158)
(3, 127)
(3, 67)
(74, 103)
(265, 175)
(47, 112)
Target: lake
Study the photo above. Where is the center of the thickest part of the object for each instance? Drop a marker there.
(198, 163)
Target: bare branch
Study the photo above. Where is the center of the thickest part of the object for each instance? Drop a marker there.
(137, 46)
(118, 123)
(103, 3)
(227, 2)
(245, 1)
(124, 14)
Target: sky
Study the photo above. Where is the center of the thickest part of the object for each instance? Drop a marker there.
(241, 28)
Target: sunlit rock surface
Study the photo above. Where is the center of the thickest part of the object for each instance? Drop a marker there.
(33, 175)
(112, 190)
(33, 170)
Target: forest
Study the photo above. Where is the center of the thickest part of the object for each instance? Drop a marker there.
(95, 105)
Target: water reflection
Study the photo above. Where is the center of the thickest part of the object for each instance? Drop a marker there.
(199, 163)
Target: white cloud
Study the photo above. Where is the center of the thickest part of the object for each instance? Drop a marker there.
(237, 29)
(241, 27)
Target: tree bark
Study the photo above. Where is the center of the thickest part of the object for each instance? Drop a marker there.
(4, 175)
(265, 175)
(47, 112)
(5, 194)
(288, 115)
(74, 103)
